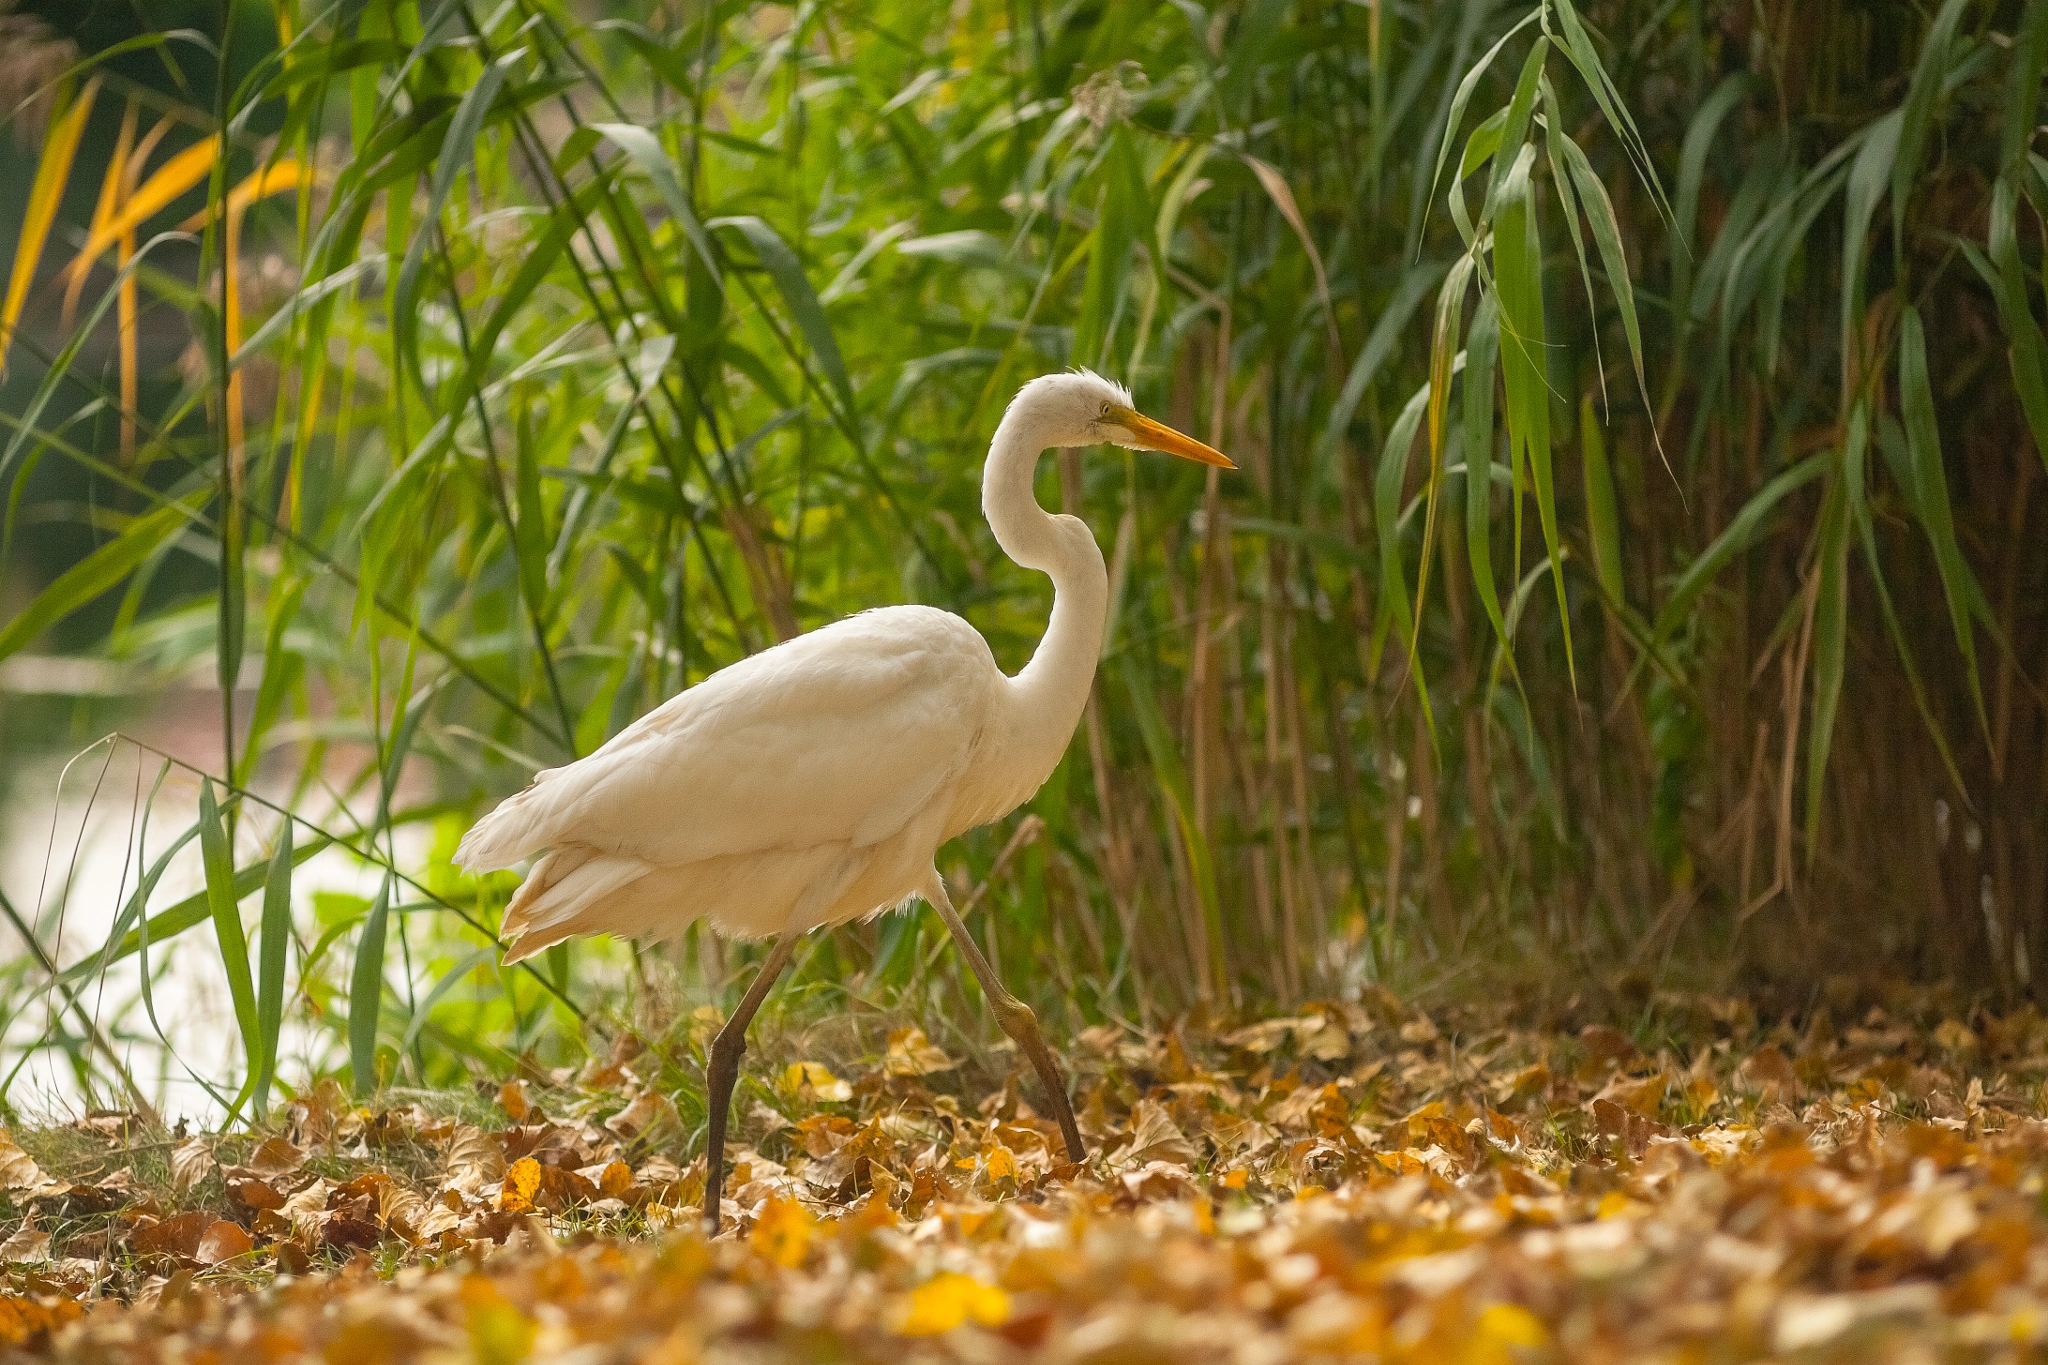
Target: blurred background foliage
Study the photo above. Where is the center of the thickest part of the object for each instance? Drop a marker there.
(1635, 565)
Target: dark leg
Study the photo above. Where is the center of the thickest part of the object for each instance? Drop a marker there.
(722, 1070)
(1016, 1018)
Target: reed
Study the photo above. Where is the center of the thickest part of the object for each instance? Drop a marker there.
(1635, 565)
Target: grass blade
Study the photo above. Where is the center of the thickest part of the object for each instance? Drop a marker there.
(2028, 352)
(1831, 616)
(458, 150)
(186, 914)
(273, 942)
(1692, 166)
(1869, 176)
(448, 982)
(1518, 267)
(1603, 527)
(801, 299)
(1917, 115)
(1482, 350)
(1738, 535)
(366, 994)
(95, 574)
(1929, 494)
(223, 904)
(1275, 184)
(1125, 209)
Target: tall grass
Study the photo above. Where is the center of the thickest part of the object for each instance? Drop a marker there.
(1635, 551)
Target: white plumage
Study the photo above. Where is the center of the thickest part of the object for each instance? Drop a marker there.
(812, 783)
(828, 768)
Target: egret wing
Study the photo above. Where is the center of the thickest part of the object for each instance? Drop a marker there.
(839, 736)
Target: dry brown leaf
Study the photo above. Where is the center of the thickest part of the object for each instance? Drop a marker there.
(513, 1100)
(275, 1159)
(191, 1162)
(1641, 1094)
(913, 1054)
(650, 1117)
(18, 1170)
(175, 1236)
(252, 1194)
(222, 1241)
(1609, 1045)
(1155, 1136)
(1769, 1073)
(1263, 1036)
(29, 1243)
(475, 1161)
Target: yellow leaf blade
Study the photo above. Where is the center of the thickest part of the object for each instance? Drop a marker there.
(53, 168)
(103, 211)
(287, 174)
(169, 180)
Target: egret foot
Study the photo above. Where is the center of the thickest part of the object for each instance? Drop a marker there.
(1016, 1018)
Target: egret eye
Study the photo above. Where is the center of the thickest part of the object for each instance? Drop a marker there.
(1108, 408)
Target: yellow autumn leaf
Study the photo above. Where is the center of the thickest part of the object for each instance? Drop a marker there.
(522, 1182)
(1615, 1204)
(815, 1081)
(782, 1233)
(1000, 1163)
(913, 1054)
(948, 1299)
(1503, 1330)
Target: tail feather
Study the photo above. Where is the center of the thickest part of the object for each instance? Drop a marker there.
(573, 890)
(505, 836)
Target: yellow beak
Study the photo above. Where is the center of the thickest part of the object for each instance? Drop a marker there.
(1153, 435)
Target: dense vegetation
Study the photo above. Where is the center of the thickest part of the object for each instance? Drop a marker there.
(1635, 557)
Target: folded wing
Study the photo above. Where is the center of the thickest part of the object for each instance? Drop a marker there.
(837, 737)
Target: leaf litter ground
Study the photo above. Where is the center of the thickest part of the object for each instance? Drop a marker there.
(1359, 1180)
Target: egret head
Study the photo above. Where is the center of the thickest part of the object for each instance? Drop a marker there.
(1081, 408)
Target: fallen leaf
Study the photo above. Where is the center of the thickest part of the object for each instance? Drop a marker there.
(522, 1183)
(1155, 1136)
(344, 1233)
(948, 1299)
(18, 1170)
(913, 1054)
(25, 1319)
(191, 1162)
(651, 1117)
(253, 1194)
(1263, 1036)
(174, 1236)
(813, 1081)
(222, 1241)
(1609, 1045)
(782, 1232)
(512, 1099)
(1769, 1073)
(29, 1243)
(275, 1159)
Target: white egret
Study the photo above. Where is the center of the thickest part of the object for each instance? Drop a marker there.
(813, 783)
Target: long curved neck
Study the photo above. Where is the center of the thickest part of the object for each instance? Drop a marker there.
(1053, 688)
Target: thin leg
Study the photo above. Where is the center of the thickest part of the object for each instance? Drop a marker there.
(722, 1070)
(1015, 1016)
